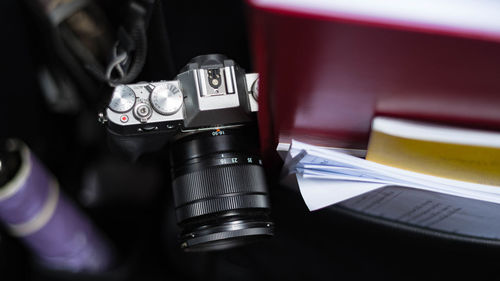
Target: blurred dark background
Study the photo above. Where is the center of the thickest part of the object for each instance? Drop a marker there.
(135, 208)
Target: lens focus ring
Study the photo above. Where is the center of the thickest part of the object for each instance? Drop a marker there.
(228, 179)
(220, 188)
(216, 205)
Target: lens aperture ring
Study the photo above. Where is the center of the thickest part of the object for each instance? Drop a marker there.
(229, 232)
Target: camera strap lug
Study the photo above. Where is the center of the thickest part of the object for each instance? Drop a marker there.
(101, 118)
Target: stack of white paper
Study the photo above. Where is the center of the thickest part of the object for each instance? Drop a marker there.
(326, 177)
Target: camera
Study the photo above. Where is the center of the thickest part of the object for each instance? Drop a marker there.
(206, 117)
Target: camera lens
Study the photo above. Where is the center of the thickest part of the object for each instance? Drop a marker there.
(220, 192)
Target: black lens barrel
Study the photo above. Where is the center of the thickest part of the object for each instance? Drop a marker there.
(220, 191)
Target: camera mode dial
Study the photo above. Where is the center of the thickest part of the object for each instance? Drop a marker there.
(166, 99)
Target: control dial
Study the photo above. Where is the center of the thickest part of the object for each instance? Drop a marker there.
(166, 99)
(123, 99)
(143, 111)
(255, 89)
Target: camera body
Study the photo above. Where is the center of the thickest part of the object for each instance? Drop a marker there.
(210, 93)
(207, 119)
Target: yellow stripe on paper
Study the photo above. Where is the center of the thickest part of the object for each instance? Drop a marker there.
(469, 163)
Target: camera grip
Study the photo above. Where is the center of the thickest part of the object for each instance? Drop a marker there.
(133, 146)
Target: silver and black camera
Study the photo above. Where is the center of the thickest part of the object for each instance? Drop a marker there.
(207, 120)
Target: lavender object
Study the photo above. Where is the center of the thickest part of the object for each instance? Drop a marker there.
(34, 209)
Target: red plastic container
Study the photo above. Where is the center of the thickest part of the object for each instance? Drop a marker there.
(324, 75)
